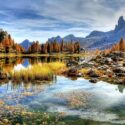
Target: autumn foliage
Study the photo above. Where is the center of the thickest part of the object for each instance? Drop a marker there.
(54, 47)
(120, 46)
(7, 44)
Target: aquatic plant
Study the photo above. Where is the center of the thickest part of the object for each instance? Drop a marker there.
(41, 71)
(84, 70)
(57, 67)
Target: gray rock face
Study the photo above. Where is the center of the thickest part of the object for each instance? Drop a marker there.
(121, 24)
(107, 39)
(98, 39)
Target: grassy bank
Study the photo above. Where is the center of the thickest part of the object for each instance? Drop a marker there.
(41, 71)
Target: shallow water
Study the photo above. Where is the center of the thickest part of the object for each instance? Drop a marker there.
(80, 101)
(99, 102)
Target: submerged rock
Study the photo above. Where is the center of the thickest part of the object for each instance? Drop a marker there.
(75, 99)
(94, 80)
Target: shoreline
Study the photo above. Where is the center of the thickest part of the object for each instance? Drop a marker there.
(109, 68)
(42, 55)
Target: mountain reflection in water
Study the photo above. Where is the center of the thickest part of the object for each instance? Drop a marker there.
(76, 99)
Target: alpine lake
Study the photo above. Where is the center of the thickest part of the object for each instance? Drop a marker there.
(62, 101)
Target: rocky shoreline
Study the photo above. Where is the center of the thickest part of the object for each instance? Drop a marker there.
(104, 67)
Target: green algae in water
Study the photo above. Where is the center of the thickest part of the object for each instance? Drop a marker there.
(29, 118)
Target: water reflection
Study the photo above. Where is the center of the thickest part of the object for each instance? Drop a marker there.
(7, 64)
(26, 63)
(79, 98)
(121, 88)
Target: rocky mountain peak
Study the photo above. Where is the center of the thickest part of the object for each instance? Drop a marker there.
(121, 20)
(26, 44)
(121, 23)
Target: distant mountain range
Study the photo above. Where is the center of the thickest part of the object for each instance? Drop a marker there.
(26, 44)
(98, 39)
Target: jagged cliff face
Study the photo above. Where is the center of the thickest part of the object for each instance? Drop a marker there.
(103, 40)
(121, 24)
(99, 39)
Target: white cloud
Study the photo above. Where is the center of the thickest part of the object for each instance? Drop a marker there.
(49, 18)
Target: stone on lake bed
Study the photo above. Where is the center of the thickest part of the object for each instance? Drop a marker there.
(94, 80)
(75, 99)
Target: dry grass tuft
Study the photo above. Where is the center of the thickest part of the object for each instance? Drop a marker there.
(41, 71)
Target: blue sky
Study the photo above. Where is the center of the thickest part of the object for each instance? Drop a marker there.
(42, 19)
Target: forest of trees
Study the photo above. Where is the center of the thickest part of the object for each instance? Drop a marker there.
(54, 47)
(119, 46)
(7, 44)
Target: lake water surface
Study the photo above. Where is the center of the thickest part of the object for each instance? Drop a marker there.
(80, 101)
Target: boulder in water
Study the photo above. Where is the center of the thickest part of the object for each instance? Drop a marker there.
(94, 80)
(72, 72)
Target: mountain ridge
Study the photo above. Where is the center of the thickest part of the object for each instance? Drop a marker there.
(26, 44)
(99, 39)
